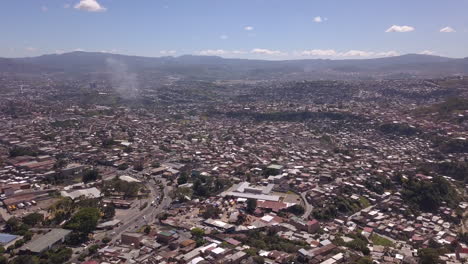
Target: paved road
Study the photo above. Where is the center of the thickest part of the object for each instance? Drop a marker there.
(308, 206)
(147, 215)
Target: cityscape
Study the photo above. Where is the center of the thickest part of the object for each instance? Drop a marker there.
(108, 157)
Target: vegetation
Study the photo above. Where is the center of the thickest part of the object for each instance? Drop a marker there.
(270, 241)
(381, 241)
(24, 151)
(428, 256)
(84, 221)
(33, 219)
(379, 184)
(339, 204)
(429, 196)
(91, 175)
(205, 186)
(251, 205)
(399, 129)
(128, 189)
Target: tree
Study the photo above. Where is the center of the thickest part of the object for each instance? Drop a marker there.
(147, 230)
(428, 256)
(183, 178)
(33, 219)
(3, 260)
(25, 259)
(258, 259)
(91, 175)
(109, 211)
(197, 232)
(84, 221)
(93, 249)
(251, 205)
(58, 256)
(211, 212)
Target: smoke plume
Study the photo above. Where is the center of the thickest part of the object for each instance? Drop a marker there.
(124, 82)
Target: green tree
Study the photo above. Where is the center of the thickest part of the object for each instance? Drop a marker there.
(3, 260)
(33, 219)
(197, 232)
(93, 249)
(108, 211)
(251, 205)
(183, 178)
(91, 175)
(25, 259)
(147, 230)
(428, 256)
(84, 221)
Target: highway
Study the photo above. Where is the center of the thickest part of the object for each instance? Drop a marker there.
(147, 215)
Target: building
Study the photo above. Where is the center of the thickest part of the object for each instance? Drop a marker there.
(7, 240)
(134, 239)
(46, 242)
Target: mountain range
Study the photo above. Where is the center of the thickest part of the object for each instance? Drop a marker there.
(218, 68)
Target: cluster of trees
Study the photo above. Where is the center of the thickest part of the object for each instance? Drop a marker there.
(379, 184)
(91, 175)
(359, 243)
(270, 241)
(399, 129)
(204, 186)
(293, 116)
(53, 256)
(457, 170)
(339, 204)
(429, 196)
(211, 212)
(24, 151)
(129, 189)
(82, 223)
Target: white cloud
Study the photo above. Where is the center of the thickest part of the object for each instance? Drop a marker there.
(388, 54)
(90, 6)
(248, 28)
(78, 49)
(44, 9)
(350, 53)
(356, 53)
(223, 37)
(396, 28)
(30, 49)
(447, 30)
(219, 52)
(318, 52)
(318, 19)
(211, 52)
(266, 52)
(167, 52)
(427, 52)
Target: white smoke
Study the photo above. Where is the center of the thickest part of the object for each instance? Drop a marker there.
(124, 82)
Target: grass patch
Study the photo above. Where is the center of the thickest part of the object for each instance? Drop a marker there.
(364, 202)
(381, 241)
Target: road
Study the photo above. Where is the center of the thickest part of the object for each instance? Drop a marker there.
(308, 206)
(147, 215)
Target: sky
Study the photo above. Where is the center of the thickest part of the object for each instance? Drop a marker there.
(254, 29)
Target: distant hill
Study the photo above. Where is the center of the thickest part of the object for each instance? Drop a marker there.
(213, 67)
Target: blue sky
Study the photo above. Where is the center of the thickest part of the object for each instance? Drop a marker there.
(263, 29)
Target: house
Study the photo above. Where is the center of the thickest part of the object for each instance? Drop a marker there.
(45, 242)
(134, 239)
(7, 240)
